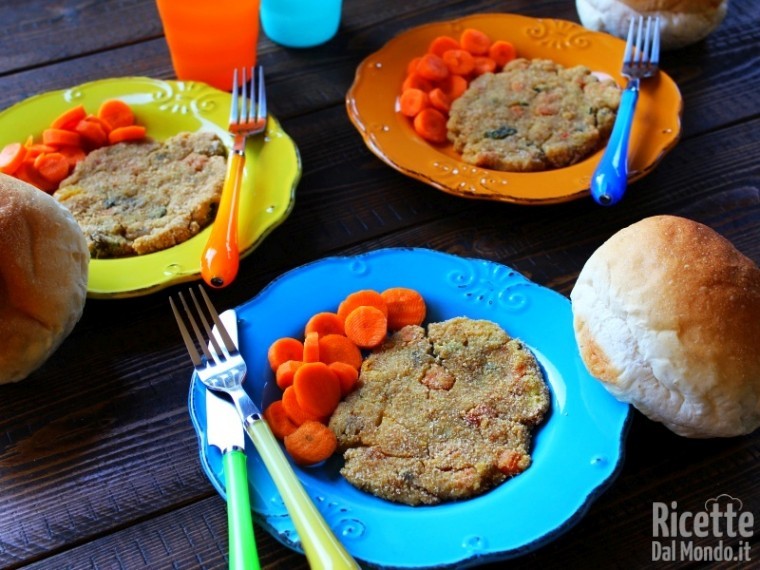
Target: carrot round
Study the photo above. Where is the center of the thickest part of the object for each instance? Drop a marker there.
(311, 443)
(311, 347)
(116, 113)
(128, 133)
(412, 101)
(92, 133)
(69, 118)
(475, 41)
(484, 64)
(294, 410)
(52, 166)
(339, 348)
(60, 137)
(28, 173)
(432, 67)
(502, 52)
(285, 372)
(284, 349)
(430, 124)
(317, 389)
(11, 157)
(324, 323)
(454, 86)
(366, 326)
(347, 375)
(439, 100)
(278, 420)
(359, 298)
(442, 44)
(73, 154)
(411, 67)
(406, 306)
(459, 61)
(416, 81)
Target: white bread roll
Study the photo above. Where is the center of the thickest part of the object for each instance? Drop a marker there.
(667, 316)
(43, 277)
(682, 22)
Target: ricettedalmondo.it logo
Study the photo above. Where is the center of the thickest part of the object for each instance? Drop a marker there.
(722, 532)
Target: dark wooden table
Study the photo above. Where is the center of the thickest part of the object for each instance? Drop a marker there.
(98, 459)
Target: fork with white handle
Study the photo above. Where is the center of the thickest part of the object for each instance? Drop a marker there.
(640, 60)
(224, 370)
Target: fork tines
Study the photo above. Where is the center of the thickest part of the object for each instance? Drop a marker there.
(249, 97)
(638, 51)
(219, 353)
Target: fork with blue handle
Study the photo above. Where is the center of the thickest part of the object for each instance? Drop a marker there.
(640, 60)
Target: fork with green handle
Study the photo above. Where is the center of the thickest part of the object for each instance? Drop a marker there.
(224, 370)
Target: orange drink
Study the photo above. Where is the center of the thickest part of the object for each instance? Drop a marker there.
(208, 39)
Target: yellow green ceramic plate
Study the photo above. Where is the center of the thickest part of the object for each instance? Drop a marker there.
(272, 169)
(372, 107)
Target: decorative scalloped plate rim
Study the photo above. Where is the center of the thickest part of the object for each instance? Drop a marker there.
(371, 103)
(576, 452)
(272, 170)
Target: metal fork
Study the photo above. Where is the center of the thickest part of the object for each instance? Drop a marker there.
(640, 60)
(224, 370)
(248, 116)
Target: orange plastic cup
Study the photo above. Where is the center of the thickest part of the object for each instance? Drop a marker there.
(208, 39)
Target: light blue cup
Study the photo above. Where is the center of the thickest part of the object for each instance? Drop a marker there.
(300, 23)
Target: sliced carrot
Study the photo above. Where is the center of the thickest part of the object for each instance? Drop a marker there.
(285, 372)
(339, 348)
(475, 41)
(459, 61)
(324, 323)
(430, 124)
(311, 347)
(69, 118)
(56, 137)
(284, 349)
(317, 388)
(92, 132)
(502, 52)
(28, 173)
(294, 410)
(116, 113)
(366, 326)
(406, 306)
(52, 166)
(483, 65)
(412, 101)
(34, 149)
(442, 44)
(125, 134)
(454, 86)
(73, 154)
(411, 67)
(439, 100)
(347, 375)
(432, 67)
(416, 81)
(311, 443)
(11, 157)
(359, 298)
(278, 420)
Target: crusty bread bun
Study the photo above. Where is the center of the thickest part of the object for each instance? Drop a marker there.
(667, 315)
(682, 22)
(43, 277)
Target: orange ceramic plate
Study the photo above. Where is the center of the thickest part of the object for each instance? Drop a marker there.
(372, 107)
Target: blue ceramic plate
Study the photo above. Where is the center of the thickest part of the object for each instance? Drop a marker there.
(576, 454)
